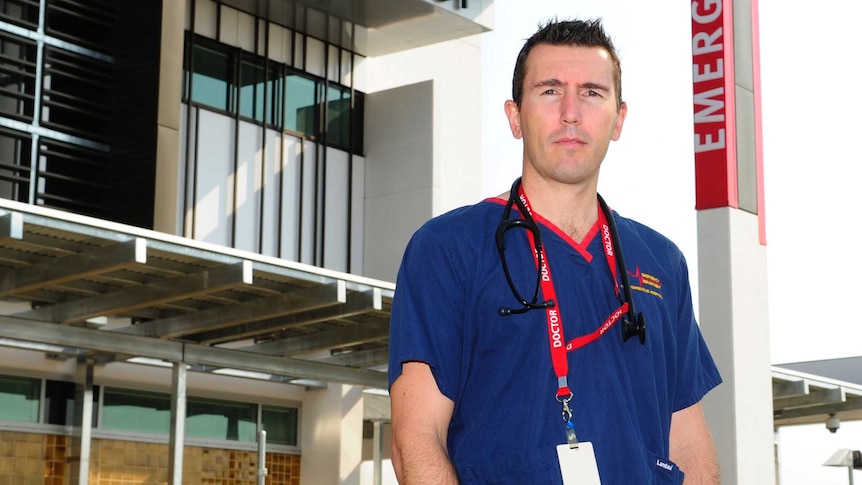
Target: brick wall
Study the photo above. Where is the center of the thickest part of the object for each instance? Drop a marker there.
(37, 459)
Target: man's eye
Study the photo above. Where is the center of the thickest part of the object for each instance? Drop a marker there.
(592, 93)
(549, 91)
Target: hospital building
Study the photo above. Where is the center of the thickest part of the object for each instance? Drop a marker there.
(203, 206)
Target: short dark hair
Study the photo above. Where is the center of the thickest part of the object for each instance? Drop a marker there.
(582, 33)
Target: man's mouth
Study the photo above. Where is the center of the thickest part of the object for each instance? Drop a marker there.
(570, 141)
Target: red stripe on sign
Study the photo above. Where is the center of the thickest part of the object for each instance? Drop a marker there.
(758, 122)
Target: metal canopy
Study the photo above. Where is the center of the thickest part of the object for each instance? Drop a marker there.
(81, 287)
(847, 369)
(800, 398)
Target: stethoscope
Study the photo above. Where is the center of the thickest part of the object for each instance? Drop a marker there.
(632, 323)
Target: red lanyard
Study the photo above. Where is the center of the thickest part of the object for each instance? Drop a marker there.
(554, 318)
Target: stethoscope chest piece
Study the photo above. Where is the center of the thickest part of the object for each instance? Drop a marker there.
(638, 327)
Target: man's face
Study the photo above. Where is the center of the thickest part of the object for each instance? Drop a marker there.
(568, 113)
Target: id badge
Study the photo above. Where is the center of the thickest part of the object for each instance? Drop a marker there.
(578, 465)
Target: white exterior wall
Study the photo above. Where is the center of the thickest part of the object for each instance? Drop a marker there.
(423, 143)
(455, 69)
(398, 178)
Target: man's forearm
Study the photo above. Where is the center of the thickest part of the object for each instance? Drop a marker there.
(420, 423)
(692, 448)
(417, 464)
(699, 464)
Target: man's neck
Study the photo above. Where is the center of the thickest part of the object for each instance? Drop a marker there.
(572, 208)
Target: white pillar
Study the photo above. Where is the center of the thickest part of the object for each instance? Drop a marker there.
(332, 435)
(378, 452)
(83, 423)
(176, 444)
(735, 324)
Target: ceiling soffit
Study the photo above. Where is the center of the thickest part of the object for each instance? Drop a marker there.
(372, 27)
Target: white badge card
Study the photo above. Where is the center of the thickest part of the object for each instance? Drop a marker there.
(578, 465)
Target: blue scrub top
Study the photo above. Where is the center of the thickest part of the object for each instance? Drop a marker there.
(497, 370)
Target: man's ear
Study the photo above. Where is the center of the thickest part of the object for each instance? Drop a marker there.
(621, 118)
(514, 116)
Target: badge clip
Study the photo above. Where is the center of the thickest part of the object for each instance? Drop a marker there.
(571, 437)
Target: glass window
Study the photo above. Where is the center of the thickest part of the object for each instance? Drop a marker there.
(251, 90)
(221, 420)
(211, 78)
(20, 12)
(60, 402)
(280, 425)
(19, 399)
(14, 165)
(59, 406)
(17, 76)
(338, 117)
(300, 104)
(258, 94)
(273, 96)
(91, 24)
(138, 411)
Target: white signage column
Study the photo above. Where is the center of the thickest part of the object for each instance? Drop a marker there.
(731, 238)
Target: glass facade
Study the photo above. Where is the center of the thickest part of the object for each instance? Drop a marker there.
(220, 77)
(67, 81)
(271, 141)
(137, 412)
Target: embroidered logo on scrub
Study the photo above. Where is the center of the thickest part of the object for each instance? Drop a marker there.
(645, 282)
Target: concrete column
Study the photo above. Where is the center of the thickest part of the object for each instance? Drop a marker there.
(332, 435)
(79, 461)
(735, 324)
(166, 216)
(378, 452)
(178, 424)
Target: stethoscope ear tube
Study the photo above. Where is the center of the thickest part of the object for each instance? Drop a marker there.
(528, 224)
(632, 323)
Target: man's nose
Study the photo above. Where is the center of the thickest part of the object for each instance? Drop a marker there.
(570, 109)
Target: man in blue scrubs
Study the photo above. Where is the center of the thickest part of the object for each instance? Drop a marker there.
(513, 369)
